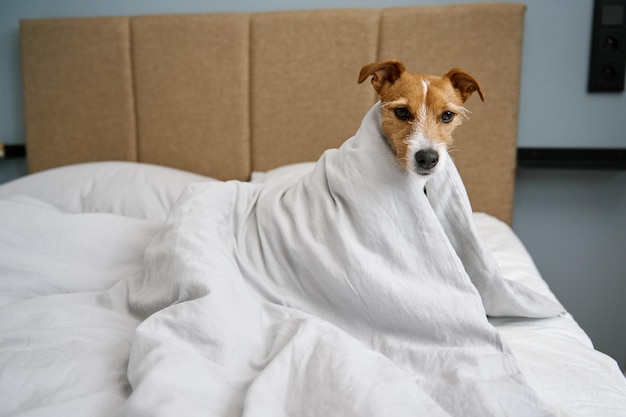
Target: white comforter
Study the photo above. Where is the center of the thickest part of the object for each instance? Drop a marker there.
(65, 329)
(341, 294)
(338, 294)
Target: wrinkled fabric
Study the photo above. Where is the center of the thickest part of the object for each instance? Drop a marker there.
(347, 292)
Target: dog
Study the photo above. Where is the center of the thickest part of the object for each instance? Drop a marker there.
(420, 112)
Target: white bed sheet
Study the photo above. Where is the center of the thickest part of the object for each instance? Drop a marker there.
(66, 330)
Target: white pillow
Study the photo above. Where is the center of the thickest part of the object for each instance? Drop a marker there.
(126, 188)
(289, 173)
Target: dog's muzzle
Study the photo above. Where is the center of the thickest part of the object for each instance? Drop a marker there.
(426, 160)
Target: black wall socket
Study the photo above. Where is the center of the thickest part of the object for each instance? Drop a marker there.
(608, 46)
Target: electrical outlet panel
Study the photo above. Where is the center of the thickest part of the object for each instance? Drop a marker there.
(608, 46)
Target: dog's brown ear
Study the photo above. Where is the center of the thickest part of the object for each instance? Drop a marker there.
(383, 73)
(464, 82)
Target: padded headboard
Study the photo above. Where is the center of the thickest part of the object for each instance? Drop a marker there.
(226, 94)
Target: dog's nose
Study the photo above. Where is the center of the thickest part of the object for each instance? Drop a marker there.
(426, 159)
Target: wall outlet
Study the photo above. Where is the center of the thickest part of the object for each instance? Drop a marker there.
(608, 46)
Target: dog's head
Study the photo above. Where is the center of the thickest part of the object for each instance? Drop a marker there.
(420, 111)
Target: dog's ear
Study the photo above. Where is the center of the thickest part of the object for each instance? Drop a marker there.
(464, 83)
(384, 73)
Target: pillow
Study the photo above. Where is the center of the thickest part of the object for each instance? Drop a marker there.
(288, 173)
(126, 188)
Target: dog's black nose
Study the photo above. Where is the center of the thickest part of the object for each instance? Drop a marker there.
(427, 159)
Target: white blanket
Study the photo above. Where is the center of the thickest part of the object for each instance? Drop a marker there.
(348, 292)
(65, 326)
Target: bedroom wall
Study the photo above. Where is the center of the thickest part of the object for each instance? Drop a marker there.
(572, 221)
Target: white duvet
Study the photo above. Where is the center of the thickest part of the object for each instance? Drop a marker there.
(339, 294)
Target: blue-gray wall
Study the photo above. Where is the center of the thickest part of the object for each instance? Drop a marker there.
(573, 222)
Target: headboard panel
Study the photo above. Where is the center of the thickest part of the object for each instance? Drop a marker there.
(305, 97)
(192, 86)
(78, 91)
(225, 94)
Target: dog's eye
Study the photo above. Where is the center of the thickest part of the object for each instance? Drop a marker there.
(447, 116)
(402, 113)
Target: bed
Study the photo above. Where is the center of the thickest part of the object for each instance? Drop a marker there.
(186, 241)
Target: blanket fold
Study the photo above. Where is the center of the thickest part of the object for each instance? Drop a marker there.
(501, 297)
(347, 292)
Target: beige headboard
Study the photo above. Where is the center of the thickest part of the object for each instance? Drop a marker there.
(225, 94)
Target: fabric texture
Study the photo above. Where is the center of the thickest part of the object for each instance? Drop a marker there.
(348, 276)
(132, 189)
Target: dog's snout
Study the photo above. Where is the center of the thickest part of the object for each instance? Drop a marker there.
(427, 159)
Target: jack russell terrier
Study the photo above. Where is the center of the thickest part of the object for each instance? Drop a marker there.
(420, 111)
